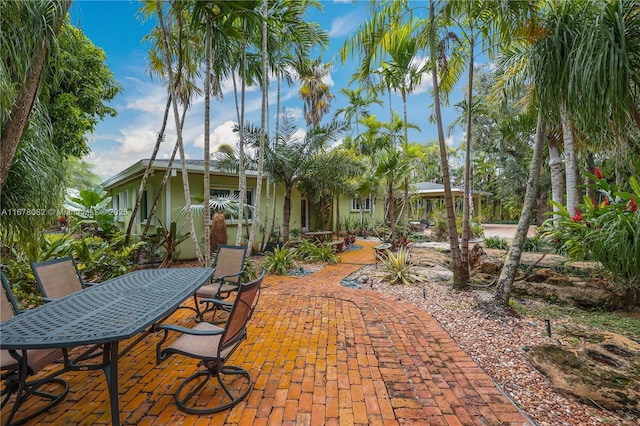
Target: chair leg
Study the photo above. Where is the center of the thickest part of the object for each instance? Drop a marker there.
(204, 376)
(34, 388)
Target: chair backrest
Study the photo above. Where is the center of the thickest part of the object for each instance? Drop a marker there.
(8, 304)
(229, 261)
(241, 312)
(57, 277)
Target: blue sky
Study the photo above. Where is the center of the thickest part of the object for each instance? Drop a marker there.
(121, 141)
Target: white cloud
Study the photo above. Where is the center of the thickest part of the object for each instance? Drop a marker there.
(221, 135)
(145, 96)
(294, 113)
(344, 25)
(299, 134)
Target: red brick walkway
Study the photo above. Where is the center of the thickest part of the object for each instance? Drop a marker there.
(320, 354)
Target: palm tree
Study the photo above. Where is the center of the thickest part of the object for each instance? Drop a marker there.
(291, 38)
(357, 106)
(23, 58)
(507, 274)
(290, 158)
(314, 91)
(177, 13)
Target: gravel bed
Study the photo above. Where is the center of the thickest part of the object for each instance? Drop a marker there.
(499, 345)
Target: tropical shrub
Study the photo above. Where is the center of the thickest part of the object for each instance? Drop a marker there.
(309, 252)
(100, 260)
(440, 228)
(399, 267)
(607, 230)
(250, 271)
(279, 261)
(535, 244)
(495, 243)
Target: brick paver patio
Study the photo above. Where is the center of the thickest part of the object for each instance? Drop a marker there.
(320, 354)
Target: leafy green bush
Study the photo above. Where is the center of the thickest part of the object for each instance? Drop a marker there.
(100, 260)
(440, 228)
(279, 261)
(607, 231)
(495, 243)
(310, 252)
(399, 267)
(250, 271)
(535, 244)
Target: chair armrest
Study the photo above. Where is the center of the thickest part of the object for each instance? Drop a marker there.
(216, 302)
(186, 330)
(221, 278)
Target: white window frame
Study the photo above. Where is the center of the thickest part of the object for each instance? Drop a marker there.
(355, 204)
(121, 204)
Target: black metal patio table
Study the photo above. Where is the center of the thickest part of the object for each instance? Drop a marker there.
(106, 314)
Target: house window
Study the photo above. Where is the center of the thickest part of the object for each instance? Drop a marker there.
(123, 200)
(121, 204)
(221, 193)
(144, 209)
(355, 204)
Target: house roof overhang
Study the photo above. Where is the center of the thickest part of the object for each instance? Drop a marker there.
(436, 190)
(137, 169)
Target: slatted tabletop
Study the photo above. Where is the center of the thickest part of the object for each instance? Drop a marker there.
(112, 311)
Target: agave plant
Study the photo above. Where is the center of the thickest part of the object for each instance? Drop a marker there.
(399, 267)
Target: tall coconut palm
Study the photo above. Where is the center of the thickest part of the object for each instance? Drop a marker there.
(314, 90)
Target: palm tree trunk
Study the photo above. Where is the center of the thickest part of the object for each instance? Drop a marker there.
(207, 129)
(263, 128)
(557, 179)
(242, 178)
(147, 171)
(571, 165)
(165, 178)
(286, 212)
(508, 273)
(460, 273)
(405, 208)
(14, 128)
(466, 205)
(185, 176)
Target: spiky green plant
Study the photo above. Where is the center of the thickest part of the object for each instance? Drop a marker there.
(279, 261)
(399, 267)
(310, 252)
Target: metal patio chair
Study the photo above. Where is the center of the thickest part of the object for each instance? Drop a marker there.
(58, 277)
(228, 269)
(37, 359)
(213, 345)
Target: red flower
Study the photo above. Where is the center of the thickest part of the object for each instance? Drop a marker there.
(606, 201)
(596, 171)
(633, 205)
(578, 217)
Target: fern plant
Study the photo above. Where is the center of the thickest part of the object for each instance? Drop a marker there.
(399, 267)
(279, 261)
